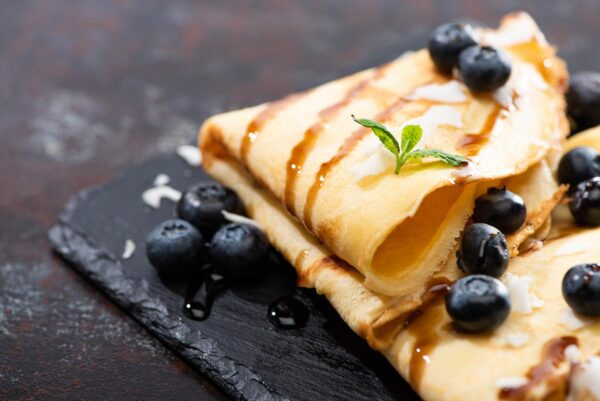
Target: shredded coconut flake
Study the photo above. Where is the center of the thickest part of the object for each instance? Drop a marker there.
(375, 164)
(191, 154)
(511, 382)
(572, 353)
(504, 96)
(585, 381)
(536, 79)
(570, 320)
(571, 248)
(161, 180)
(153, 196)
(517, 339)
(536, 303)
(518, 286)
(238, 218)
(371, 144)
(434, 117)
(519, 31)
(523, 77)
(437, 115)
(514, 340)
(129, 249)
(450, 92)
(505, 39)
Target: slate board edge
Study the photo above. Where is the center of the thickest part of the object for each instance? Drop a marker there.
(105, 271)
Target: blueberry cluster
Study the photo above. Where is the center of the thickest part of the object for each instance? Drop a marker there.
(201, 235)
(480, 302)
(482, 68)
(580, 169)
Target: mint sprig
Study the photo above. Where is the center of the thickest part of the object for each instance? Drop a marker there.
(448, 158)
(386, 137)
(405, 151)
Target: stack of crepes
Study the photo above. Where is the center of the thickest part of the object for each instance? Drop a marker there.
(378, 245)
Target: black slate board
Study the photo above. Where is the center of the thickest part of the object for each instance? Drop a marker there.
(236, 347)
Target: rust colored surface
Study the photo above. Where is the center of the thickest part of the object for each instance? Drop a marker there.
(88, 88)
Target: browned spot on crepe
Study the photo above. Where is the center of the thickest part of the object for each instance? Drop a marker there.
(332, 262)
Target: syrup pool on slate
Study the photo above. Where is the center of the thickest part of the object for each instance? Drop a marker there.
(200, 294)
(288, 313)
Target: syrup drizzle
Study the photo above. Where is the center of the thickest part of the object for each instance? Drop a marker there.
(302, 150)
(552, 356)
(297, 158)
(201, 293)
(471, 144)
(348, 145)
(288, 313)
(422, 323)
(258, 123)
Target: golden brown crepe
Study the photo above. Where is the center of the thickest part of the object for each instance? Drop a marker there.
(375, 243)
(484, 360)
(479, 367)
(589, 138)
(303, 149)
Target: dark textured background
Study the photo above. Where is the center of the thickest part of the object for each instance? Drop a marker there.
(90, 87)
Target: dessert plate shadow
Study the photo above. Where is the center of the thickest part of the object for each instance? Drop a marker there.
(236, 347)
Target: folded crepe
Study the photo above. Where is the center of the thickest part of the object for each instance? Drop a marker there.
(589, 138)
(308, 153)
(375, 243)
(534, 355)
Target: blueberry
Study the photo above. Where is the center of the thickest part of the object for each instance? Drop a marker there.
(478, 303)
(583, 99)
(500, 208)
(202, 205)
(578, 165)
(175, 247)
(484, 68)
(585, 204)
(446, 42)
(483, 250)
(581, 289)
(237, 249)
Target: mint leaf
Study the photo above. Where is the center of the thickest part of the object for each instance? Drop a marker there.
(411, 135)
(385, 136)
(448, 158)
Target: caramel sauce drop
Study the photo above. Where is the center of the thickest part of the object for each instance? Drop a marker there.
(300, 257)
(294, 165)
(552, 356)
